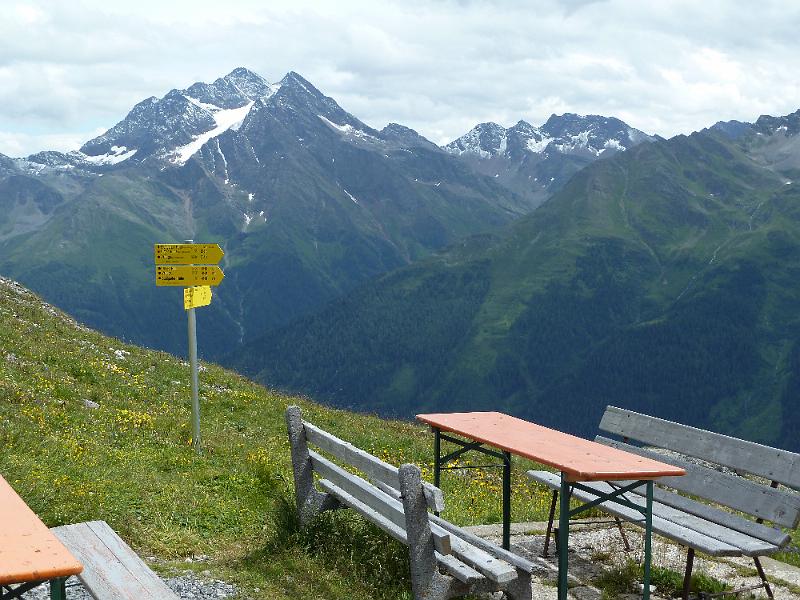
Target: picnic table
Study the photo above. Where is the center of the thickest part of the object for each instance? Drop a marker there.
(30, 554)
(577, 459)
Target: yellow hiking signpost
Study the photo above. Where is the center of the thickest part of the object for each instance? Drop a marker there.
(188, 275)
(188, 254)
(193, 267)
(195, 297)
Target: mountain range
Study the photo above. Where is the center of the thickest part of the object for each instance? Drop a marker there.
(307, 201)
(662, 279)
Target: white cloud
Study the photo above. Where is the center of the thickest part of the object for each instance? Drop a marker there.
(439, 67)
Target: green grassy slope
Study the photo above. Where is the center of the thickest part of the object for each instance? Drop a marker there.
(129, 462)
(663, 280)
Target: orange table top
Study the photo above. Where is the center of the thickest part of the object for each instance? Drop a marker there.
(579, 459)
(29, 551)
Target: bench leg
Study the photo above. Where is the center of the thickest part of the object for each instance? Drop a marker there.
(687, 578)
(309, 500)
(520, 588)
(763, 576)
(550, 524)
(58, 589)
(622, 533)
(427, 583)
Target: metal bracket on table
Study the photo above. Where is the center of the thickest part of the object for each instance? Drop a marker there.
(7, 593)
(440, 463)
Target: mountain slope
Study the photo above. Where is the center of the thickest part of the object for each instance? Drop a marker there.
(306, 200)
(662, 280)
(92, 428)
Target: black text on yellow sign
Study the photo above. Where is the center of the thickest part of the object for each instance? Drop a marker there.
(195, 297)
(188, 275)
(188, 254)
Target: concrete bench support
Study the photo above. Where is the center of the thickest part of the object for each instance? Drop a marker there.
(446, 562)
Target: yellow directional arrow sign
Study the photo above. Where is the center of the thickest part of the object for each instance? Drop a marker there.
(188, 275)
(195, 297)
(188, 254)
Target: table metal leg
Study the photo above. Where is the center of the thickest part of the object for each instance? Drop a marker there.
(507, 500)
(563, 536)
(648, 537)
(58, 589)
(437, 451)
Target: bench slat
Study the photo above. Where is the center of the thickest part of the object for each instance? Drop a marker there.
(501, 553)
(729, 490)
(377, 500)
(369, 464)
(749, 546)
(509, 557)
(111, 569)
(772, 463)
(776, 537)
(661, 526)
(488, 547)
(492, 567)
(451, 564)
(456, 568)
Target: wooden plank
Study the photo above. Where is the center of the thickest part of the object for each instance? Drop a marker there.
(451, 564)
(509, 557)
(111, 569)
(773, 536)
(749, 546)
(770, 535)
(581, 459)
(485, 545)
(374, 467)
(771, 463)
(729, 490)
(28, 549)
(668, 529)
(456, 568)
(397, 532)
(367, 493)
(493, 568)
(130, 560)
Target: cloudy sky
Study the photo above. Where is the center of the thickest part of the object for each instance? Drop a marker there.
(70, 70)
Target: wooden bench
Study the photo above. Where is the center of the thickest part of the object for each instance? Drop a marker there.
(446, 561)
(111, 570)
(703, 509)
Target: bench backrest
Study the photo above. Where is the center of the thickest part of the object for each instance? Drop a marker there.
(743, 494)
(396, 500)
(373, 467)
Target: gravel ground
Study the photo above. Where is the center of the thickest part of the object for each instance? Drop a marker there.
(595, 548)
(188, 586)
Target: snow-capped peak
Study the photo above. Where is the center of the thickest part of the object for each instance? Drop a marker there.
(484, 140)
(225, 119)
(566, 134)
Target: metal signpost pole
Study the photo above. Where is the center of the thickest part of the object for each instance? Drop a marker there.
(195, 378)
(192, 267)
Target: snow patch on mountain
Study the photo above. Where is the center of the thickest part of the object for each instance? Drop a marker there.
(349, 195)
(225, 120)
(538, 146)
(347, 129)
(566, 134)
(116, 155)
